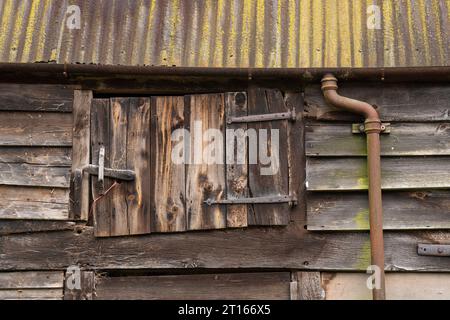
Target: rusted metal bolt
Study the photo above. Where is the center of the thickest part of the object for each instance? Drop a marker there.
(361, 128)
(440, 250)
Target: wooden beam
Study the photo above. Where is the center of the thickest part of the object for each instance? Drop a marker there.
(29, 226)
(20, 174)
(81, 144)
(31, 285)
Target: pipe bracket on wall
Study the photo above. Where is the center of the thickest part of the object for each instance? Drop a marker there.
(360, 128)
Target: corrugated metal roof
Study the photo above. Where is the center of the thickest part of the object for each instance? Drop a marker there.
(234, 33)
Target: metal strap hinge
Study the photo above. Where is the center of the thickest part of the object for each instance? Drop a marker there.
(288, 115)
(438, 250)
(292, 200)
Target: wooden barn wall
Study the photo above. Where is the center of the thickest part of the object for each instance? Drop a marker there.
(321, 254)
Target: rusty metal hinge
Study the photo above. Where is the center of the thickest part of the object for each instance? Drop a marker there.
(288, 115)
(438, 250)
(359, 128)
(292, 200)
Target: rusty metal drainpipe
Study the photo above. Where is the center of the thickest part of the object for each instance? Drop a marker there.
(372, 128)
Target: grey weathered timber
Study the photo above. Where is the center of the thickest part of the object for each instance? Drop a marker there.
(257, 285)
(396, 173)
(35, 129)
(35, 97)
(81, 146)
(236, 155)
(276, 182)
(291, 247)
(21, 174)
(28, 226)
(50, 156)
(86, 290)
(396, 102)
(100, 137)
(205, 177)
(416, 209)
(41, 285)
(33, 203)
(167, 178)
(405, 139)
(306, 286)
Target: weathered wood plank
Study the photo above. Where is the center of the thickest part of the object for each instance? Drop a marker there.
(236, 153)
(306, 286)
(100, 136)
(35, 97)
(168, 178)
(87, 287)
(396, 173)
(291, 247)
(31, 280)
(81, 145)
(205, 176)
(396, 102)
(425, 209)
(28, 226)
(399, 286)
(405, 139)
(118, 160)
(33, 203)
(50, 156)
(268, 179)
(35, 129)
(138, 160)
(265, 285)
(31, 294)
(21, 174)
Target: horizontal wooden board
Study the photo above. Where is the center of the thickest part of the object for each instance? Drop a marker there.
(25, 226)
(50, 156)
(31, 294)
(290, 247)
(236, 286)
(425, 209)
(396, 173)
(35, 129)
(405, 139)
(35, 97)
(396, 102)
(406, 286)
(31, 280)
(34, 175)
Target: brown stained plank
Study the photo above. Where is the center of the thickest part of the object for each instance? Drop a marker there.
(396, 102)
(35, 129)
(35, 97)
(15, 226)
(100, 136)
(424, 209)
(236, 150)
(20, 174)
(399, 286)
(138, 160)
(37, 155)
(86, 290)
(396, 173)
(275, 181)
(307, 286)
(248, 286)
(205, 181)
(291, 247)
(168, 178)
(31, 280)
(81, 146)
(405, 139)
(118, 160)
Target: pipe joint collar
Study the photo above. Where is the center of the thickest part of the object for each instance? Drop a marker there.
(372, 126)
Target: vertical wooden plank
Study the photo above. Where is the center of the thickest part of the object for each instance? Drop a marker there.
(309, 286)
(205, 178)
(167, 177)
(100, 136)
(236, 150)
(138, 159)
(86, 290)
(118, 160)
(81, 145)
(264, 101)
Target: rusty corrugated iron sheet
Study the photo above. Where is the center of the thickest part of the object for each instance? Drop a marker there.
(221, 33)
